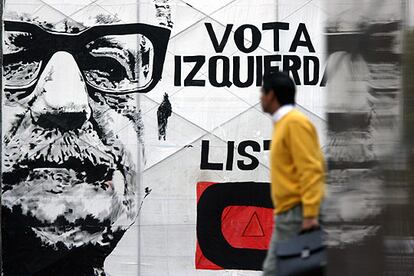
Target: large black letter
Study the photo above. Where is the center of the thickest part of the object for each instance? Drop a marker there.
(239, 38)
(297, 42)
(219, 47)
(177, 71)
(259, 70)
(199, 61)
(205, 165)
(242, 151)
(212, 71)
(268, 67)
(306, 71)
(230, 155)
(294, 67)
(236, 72)
(275, 26)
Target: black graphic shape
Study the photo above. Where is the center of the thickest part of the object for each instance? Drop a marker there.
(44, 260)
(209, 235)
(163, 113)
(253, 227)
(76, 45)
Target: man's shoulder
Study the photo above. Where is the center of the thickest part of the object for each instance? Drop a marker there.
(296, 116)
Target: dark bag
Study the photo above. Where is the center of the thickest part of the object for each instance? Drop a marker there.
(303, 255)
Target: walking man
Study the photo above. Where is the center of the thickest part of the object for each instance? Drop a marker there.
(297, 166)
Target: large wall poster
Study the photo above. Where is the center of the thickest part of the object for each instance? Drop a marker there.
(365, 217)
(72, 128)
(217, 138)
(109, 169)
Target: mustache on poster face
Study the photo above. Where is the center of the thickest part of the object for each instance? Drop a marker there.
(82, 150)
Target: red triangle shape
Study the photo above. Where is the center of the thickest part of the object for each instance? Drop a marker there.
(253, 228)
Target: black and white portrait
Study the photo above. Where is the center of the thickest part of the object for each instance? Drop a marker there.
(72, 129)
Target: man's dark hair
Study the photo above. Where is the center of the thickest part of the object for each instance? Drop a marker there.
(282, 86)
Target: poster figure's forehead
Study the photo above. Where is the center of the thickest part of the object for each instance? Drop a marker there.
(77, 15)
(349, 16)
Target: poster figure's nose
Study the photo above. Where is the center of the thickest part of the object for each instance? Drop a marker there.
(62, 97)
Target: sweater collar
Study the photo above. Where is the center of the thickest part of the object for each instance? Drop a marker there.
(281, 112)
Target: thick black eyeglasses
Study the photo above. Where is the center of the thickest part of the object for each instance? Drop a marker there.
(114, 59)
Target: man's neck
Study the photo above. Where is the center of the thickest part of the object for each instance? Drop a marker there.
(281, 112)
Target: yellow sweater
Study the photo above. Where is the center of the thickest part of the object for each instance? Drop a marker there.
(297, 166)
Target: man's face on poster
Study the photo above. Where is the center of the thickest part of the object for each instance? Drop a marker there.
(72, 130)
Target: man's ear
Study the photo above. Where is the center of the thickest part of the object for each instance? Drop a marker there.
(275, 100)
(273, 96)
